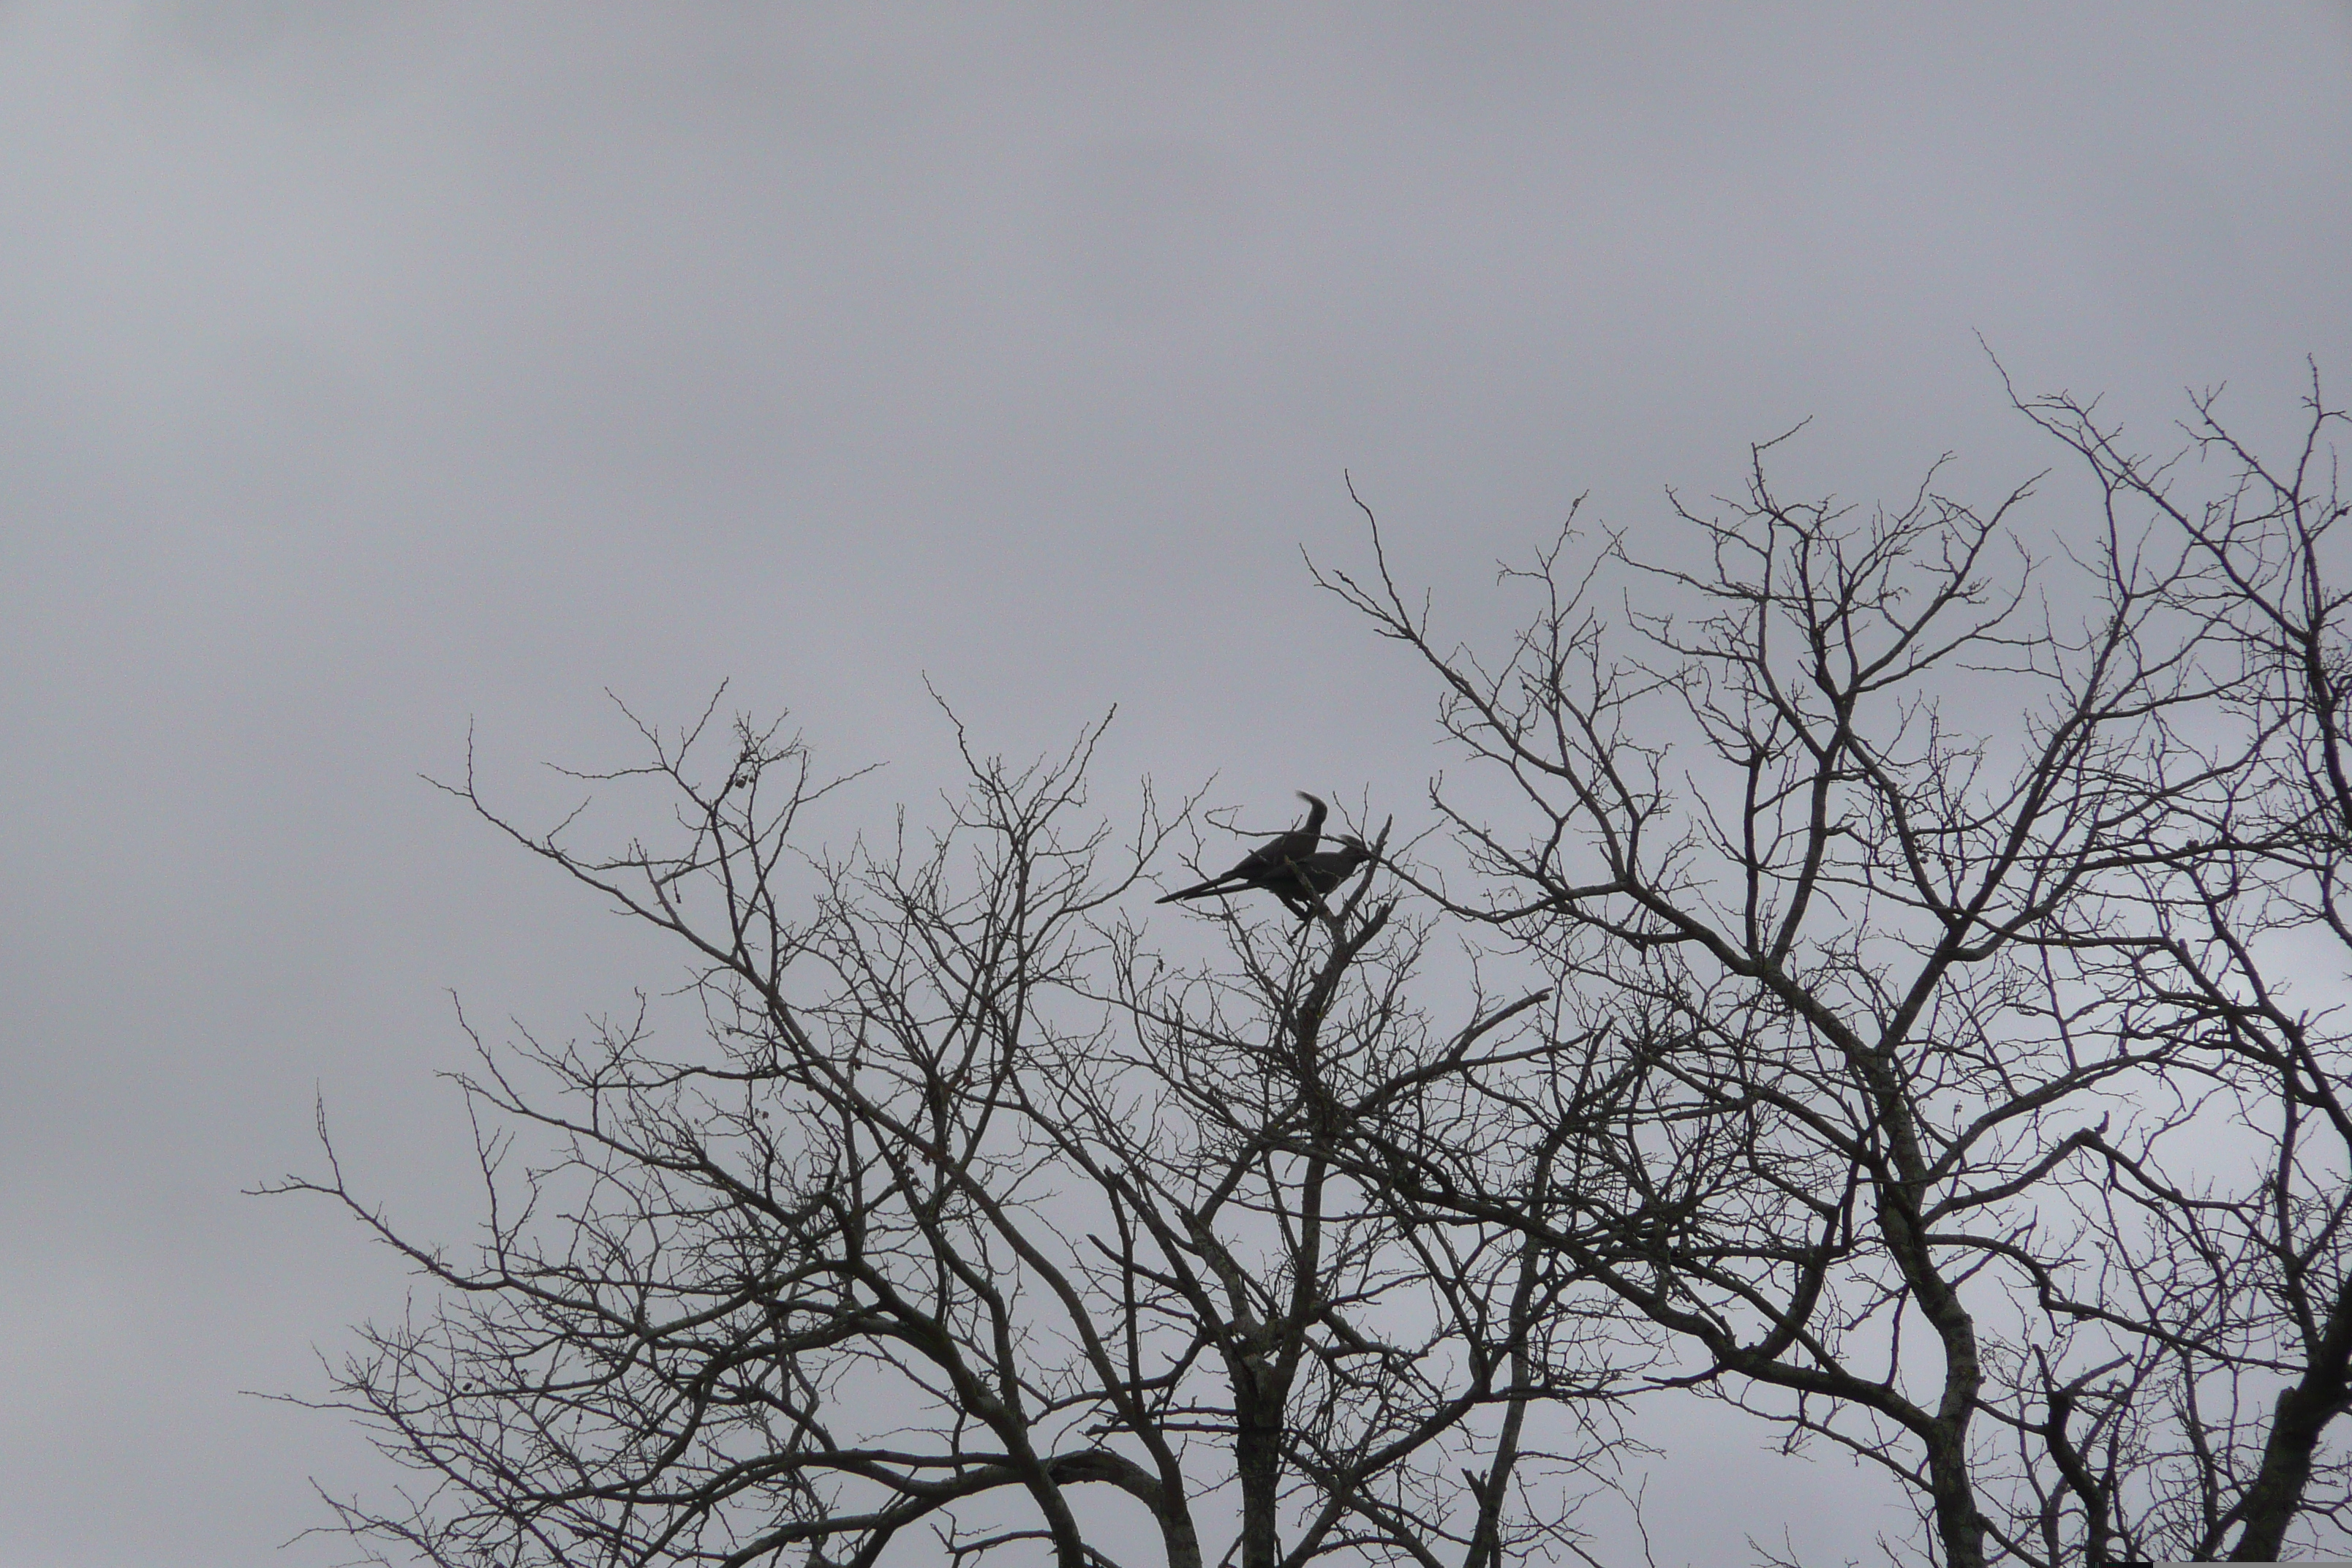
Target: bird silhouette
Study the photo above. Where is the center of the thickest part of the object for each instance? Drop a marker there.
(1313, 876)
(1273, 864)
(1327, 868)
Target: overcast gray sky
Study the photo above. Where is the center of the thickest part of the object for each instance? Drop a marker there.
(374, 370)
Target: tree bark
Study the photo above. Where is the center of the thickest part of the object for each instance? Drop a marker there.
(2301, 1415)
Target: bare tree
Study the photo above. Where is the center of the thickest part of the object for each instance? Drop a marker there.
(1925, 1040)
(2229, 1241)
(1830, 839)
(965, 1213)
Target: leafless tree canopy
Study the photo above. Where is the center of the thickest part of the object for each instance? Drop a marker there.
(1918, 896)
(1924, 1042)
(2238, 1268)
(970, 1216)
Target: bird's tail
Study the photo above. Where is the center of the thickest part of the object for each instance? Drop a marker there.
(1198, 891)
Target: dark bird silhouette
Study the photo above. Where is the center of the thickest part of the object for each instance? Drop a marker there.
(1271, 865)
(1324, 870)
(1314, 876)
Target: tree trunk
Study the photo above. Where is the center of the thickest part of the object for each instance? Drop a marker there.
(2272, 1502)
(1259, 1466)
(1257, 1456)
(2302, 1414)
(1178, 1539)
(1958, 1526)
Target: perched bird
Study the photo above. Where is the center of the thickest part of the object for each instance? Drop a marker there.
(1271, 865)
(1316, 875)
(1313, 876)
